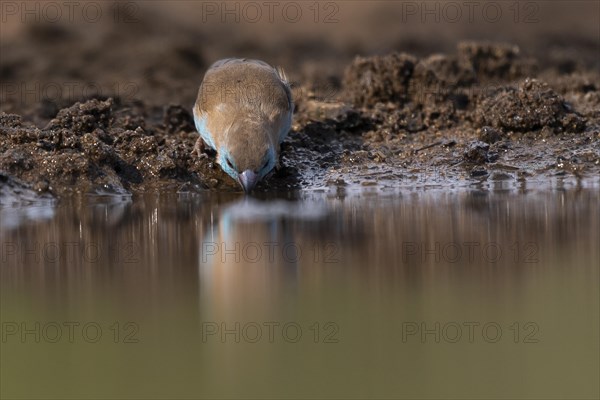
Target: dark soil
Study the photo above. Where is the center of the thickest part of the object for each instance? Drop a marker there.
(482, 113)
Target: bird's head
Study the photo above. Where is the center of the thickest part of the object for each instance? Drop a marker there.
(247, 155)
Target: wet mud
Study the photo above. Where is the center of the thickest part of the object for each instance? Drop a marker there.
(480, 113)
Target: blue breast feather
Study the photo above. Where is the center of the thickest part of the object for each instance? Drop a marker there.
(203, 130)
(286, 128)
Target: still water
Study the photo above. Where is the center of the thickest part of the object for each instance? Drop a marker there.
(329, 294)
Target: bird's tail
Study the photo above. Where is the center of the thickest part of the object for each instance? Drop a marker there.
(288, 86)
(282, 75)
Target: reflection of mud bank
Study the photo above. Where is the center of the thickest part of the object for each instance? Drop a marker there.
(155, 237)
(483, 114)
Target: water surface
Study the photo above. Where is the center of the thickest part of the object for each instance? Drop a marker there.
(330, 294)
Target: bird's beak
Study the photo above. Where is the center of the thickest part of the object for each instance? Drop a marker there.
(248, 180)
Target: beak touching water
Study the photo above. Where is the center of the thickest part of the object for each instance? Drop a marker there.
(248, 180)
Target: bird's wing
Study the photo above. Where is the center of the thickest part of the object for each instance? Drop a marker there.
(222, 78)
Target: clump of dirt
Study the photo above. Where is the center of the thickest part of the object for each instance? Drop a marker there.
(439, 91)
(479, 153)
(496, 61)
(491, 135)
(379, 79)
(531, 106)
(402, 77)
(100, 144)
(83, 118)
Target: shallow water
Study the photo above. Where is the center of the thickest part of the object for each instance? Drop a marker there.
(412, 294)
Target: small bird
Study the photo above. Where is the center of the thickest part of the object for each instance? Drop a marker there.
(243, 112)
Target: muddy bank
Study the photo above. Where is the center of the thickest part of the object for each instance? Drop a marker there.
(483, 113)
